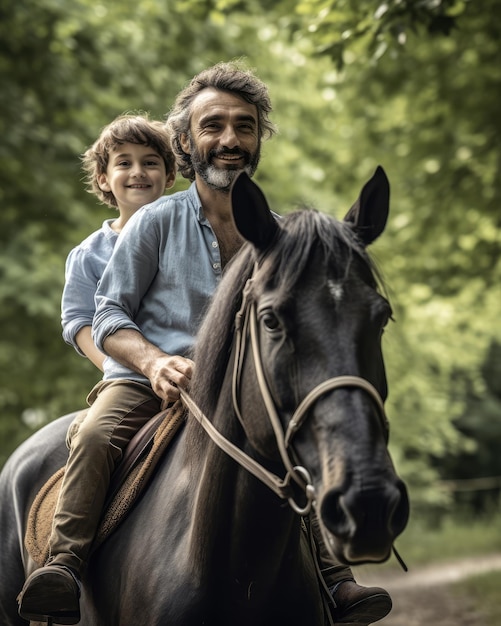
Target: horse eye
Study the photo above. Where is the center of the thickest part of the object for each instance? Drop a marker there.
(270, 321)
(385, 320)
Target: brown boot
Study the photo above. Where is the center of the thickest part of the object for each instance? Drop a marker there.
(51, 592)
(359, 606)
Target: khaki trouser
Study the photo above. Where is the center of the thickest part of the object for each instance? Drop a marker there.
(97, 439)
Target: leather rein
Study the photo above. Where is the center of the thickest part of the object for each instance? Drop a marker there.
(247, 326)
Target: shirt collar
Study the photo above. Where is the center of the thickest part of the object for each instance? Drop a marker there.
(195, 201)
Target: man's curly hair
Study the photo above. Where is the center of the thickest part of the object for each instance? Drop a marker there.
(226, 76)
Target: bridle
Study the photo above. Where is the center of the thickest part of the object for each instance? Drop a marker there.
(246, 326)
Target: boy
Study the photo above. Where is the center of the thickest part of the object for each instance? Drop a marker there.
(130, 164)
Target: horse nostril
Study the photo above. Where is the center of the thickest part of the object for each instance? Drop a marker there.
(334, 515)
(400, 515)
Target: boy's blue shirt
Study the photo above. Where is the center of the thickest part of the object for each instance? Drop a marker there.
(85, 265)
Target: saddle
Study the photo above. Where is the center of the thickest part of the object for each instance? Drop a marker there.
(129, 480)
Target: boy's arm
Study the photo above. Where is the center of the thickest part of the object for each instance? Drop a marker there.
(84, 340)
(77, 302)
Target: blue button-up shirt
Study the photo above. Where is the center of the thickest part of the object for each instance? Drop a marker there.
(160, 278)
(84, 267)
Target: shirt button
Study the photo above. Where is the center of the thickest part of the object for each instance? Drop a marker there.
(214, 244)
(216, 266)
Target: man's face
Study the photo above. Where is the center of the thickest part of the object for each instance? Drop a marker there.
(223, 139)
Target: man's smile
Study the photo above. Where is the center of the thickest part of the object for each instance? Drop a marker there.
(233, 158)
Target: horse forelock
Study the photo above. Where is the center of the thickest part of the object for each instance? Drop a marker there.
(215, 336)
(309, 237)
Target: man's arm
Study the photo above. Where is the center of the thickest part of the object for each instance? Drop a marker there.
(127, 277)
(166, 373)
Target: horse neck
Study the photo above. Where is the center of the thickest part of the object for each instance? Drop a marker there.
(236, 516)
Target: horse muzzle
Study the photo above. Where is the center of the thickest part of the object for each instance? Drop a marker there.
(360, 526)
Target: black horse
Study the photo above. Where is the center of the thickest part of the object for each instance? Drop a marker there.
(290, 383)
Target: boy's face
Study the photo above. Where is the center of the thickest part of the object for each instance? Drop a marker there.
(135, 176)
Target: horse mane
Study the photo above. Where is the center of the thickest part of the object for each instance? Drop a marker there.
(301, 235)
(215, 336)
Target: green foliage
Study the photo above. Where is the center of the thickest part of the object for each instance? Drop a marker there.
(372, 28)
(336, 27)
(349, 92)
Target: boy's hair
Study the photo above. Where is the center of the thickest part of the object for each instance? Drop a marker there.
(232, 77)
(126, 128)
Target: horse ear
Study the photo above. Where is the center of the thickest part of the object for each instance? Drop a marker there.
(370, 212)
(251, 212)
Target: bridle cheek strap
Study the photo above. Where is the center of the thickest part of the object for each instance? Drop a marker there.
(301, 413)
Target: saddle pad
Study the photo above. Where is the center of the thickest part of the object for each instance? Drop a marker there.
(39, 524)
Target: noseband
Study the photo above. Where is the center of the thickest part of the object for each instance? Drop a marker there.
(247, 327)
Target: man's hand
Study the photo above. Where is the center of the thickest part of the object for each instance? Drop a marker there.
(168, 374)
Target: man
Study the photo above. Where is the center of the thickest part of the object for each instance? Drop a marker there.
(217, 125)
(152, 296)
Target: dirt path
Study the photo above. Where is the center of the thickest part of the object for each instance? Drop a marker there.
(423, 597)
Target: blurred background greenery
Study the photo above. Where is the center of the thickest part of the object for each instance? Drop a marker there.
(412, 85)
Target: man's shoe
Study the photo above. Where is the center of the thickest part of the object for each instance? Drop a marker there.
(51, 592)
(359, 606)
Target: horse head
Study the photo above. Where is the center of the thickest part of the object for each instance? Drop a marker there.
(315, 318)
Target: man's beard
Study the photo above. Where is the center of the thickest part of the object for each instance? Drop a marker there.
(218, 178)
